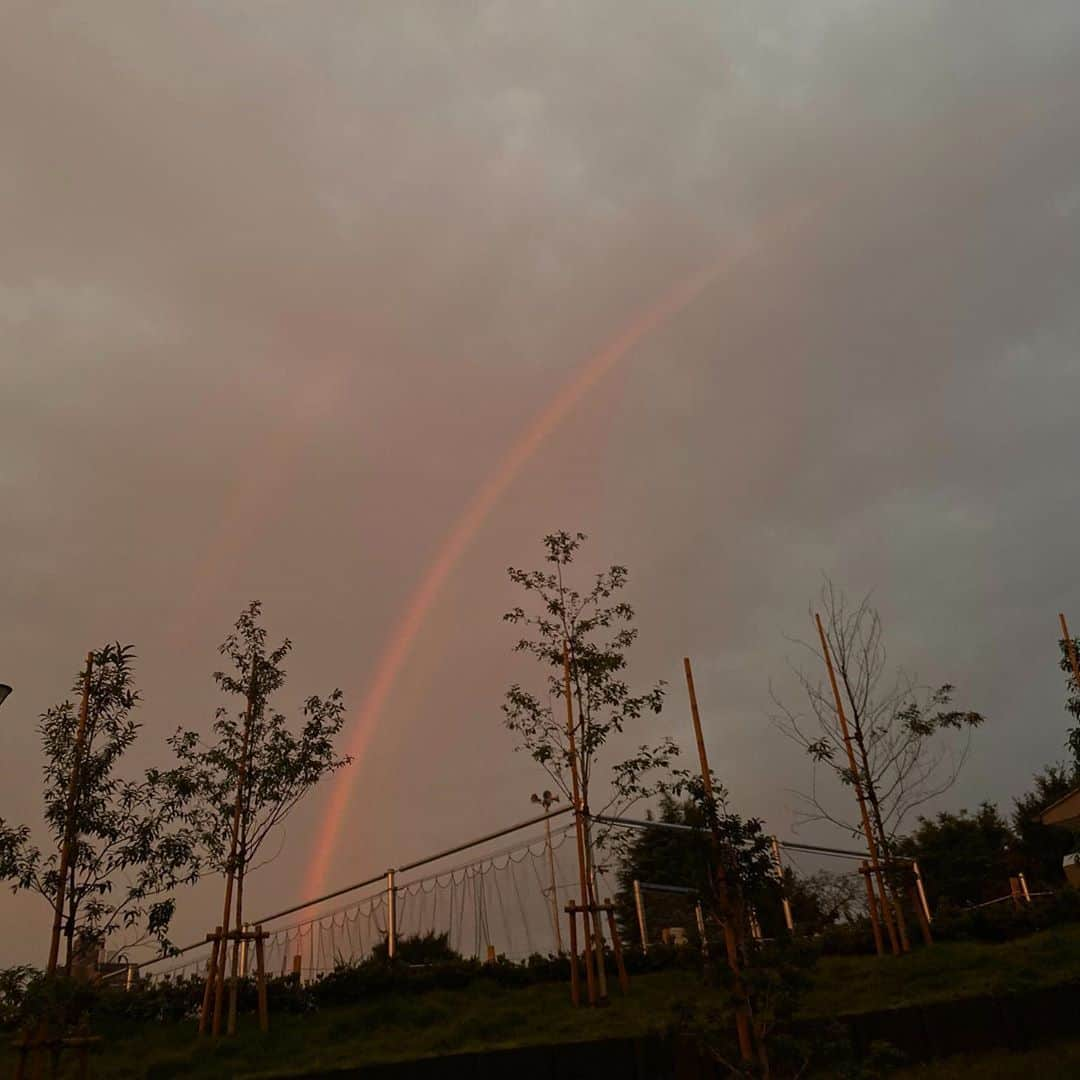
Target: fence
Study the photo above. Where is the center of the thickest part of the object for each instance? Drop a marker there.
(508, 900)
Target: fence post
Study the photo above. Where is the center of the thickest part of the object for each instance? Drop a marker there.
(640, 916)
(244, 953)
(788, 920)
(391, 915)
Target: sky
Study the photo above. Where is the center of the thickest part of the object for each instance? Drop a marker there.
(282, 284)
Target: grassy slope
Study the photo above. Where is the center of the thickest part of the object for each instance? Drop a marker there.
(948, 970)
(484, 1016)
(481, 1016)
(1061, 1061)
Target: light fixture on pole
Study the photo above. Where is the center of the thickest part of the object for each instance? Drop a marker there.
(547, 800)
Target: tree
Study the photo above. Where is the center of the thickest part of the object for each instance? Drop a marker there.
(909, 744)
(281, 766)
(964, 858)
(134, 841)
(1072, 695)
(1043, 847)
(660, 856)
(598, 632)
(824, 899)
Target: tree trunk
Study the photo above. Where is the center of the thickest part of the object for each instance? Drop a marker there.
(69, 929)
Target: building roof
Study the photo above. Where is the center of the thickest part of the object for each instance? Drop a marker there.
(1065, 812)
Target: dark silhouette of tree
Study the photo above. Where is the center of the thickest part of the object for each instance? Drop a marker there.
(660, 856)
(1042, 847)
(965, 858)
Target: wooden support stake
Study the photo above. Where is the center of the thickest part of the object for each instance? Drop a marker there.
(924, 923)
(1024, 887)
(211, 982)
(230, 866)
(616, 947)
(575, 978)
(640, 908)
(700, 916)
(579, 822)
(871, 906)
(69, 818)
(789, 922)
(921, 891)
(729, 910)
(260, 979)
(856, 780)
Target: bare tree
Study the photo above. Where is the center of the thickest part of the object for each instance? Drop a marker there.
(909, 744)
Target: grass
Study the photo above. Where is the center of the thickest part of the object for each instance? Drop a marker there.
(1058, 1061)
(399, 1027)
(483, 1015)
(848, 984)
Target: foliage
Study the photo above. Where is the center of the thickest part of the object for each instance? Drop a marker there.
(685, 859)
(429, 948)
(660, 856)
(1005, 921)
(598, 631)
(823, 900)
(964, 858)
(776, 982)
(908, 740)
(280, 766)
(134, 842)
(1043, 847)
(14, 982)
(1072, 697)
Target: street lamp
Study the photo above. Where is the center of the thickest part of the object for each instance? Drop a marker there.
(547, 800)
(4, 691)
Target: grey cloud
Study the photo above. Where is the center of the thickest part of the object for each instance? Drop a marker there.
(281, 282)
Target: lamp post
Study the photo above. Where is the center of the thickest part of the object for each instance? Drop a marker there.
(547, 800)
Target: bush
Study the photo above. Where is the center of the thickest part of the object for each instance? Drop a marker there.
(1004, 921)
(14, 982)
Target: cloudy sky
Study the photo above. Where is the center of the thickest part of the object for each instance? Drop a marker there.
(281, 285)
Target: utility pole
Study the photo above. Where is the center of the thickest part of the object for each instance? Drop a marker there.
(69, 817)
(547, 800)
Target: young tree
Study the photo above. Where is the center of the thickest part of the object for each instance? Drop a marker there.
(134, 842)
(909, 744)
(598, 631)
(280, 766)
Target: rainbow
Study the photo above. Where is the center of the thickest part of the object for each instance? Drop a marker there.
(461, 533)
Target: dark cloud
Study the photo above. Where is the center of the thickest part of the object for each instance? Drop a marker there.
(280, 283)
